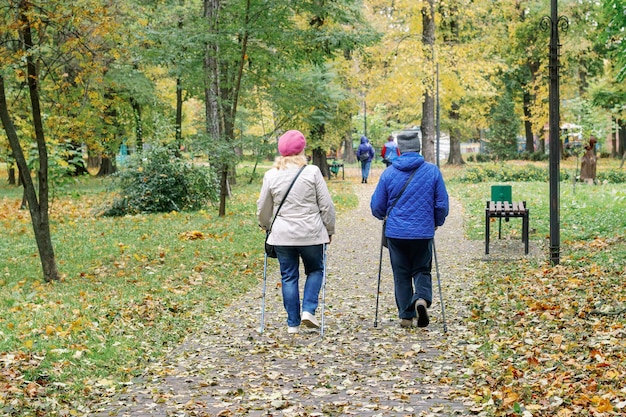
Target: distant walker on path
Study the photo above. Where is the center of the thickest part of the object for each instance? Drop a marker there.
(390, 151)
(365, 154)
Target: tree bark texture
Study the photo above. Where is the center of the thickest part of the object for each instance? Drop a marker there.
(11, 178)
(319, 155)
(319, 159)
(349, 155)
(621, 136)
(138, 123)
(528, 126)
(215, 123)
(428, 105)
(614, 140)
(455, 158)
(179, 116)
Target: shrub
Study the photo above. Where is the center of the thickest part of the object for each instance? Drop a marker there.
(158, 181)
(539, 156)
(483, 157)
(508, 173)
(613, 176)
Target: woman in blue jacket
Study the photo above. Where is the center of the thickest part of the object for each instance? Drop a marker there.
(411, 224)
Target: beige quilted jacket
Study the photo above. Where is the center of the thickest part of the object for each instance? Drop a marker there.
(308, 215)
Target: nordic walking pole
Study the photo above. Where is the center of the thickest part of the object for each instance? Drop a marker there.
(443, 310)
(380, 266)
(263, 301)
(323, 292)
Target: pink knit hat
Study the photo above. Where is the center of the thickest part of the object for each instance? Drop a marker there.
(291, 143)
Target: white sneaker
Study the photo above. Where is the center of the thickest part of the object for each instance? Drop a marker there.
(309, 320)
(293, 330)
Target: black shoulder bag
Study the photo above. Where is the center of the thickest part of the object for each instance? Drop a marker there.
(384, 238)
(270, 251)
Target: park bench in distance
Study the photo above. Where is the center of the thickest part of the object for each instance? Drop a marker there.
(501, 207)
(334, 166)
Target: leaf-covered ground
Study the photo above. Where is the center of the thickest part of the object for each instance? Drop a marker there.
(524, 339)
(230, 369)
(550, 340)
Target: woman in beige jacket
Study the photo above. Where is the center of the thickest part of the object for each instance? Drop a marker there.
(304, 225)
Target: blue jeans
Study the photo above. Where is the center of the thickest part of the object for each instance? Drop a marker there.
(411, 262)
(289, 260)
(365, 168)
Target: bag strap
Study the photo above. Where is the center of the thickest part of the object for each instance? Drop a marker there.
(401, 191)
(284, 198)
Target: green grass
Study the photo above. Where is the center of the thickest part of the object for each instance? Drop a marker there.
(131, 288)
(586, 211)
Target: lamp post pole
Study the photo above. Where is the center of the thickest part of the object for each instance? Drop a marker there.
(555, 139)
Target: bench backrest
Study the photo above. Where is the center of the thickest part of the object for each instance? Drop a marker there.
(501, 193)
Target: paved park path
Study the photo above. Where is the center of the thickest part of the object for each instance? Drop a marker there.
(230, 369)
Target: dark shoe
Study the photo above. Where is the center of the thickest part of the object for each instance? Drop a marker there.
(365, 180)
(421, 313)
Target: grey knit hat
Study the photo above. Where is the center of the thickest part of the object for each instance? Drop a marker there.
(409, 141)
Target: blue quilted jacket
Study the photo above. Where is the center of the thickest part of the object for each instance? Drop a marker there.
(423, 205)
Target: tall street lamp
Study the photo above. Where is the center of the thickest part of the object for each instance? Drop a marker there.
(554, 23)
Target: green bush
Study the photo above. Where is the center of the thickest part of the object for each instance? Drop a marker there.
(500, 173)
(539, 156)
(612, 176)
(157, 181)
(483, 157)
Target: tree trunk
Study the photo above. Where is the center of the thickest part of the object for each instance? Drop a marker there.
(107, 167)
(138, 124)
(319, 158)
(319, 155)
(24, 203)
(621, 136)
(349, 156)
(528, 126)
(179, 116)
(428, 105)
(11, 179)
(38, 207)
(39, 212)
(614, 140)
(179, 99)
(213, 116)
(455, 158)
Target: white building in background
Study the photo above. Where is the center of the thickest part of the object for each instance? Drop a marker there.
(444, 146)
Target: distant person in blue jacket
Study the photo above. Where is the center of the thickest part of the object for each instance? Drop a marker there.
(390, 151)
(411, 224)
(365, 154)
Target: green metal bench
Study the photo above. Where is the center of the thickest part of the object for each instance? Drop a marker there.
(502, 206)
(334, 167)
